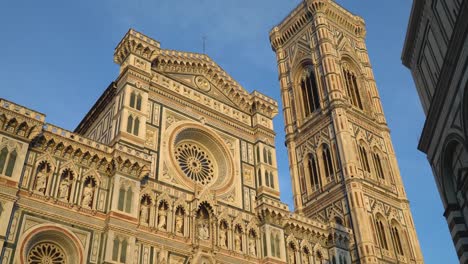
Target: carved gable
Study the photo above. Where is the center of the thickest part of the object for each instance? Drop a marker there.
(201, 84)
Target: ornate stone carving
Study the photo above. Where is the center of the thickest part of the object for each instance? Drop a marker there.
(195, 162)
(144, 211)
(45, 253)
(88, 194)
(203, 230)
(202, 83)
(162, 216)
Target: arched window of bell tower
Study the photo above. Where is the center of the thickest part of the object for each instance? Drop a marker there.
(397, 237)
(378, 165)
(363, 157)
(314, 173)
(328, 163)
(352, 88)
(381, 233)
(309, 91)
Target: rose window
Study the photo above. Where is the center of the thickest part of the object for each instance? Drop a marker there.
(195, 162)
(199, 158)
(46, 253)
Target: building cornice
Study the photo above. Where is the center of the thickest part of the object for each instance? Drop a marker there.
(97, 109)
(304, 13)
(412, 32)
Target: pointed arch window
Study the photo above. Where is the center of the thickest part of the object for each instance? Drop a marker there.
(128, 202)
(302, 181)
(259, 177)
(378, 166)
(125, 200)
(119, 250)
(272, 181)
(115, 249)
(267, 179)
(313, 171)
(310, 95)
(277, 246)
(3, 158)
(270, 161)
(381, 234)
(11, 163)
(135, 100)
(258, 154)
(133, 125)
(364, 159)
(397, 240)
(352, 88)
(265, 155)
(138, 102)
(132, 99)
(123, 251)
(136, 127)
(7, 161)
(121, 201)
(130, 124)
(328, 163)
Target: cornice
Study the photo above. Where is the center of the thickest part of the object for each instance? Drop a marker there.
(106, 97)
(414, 23)
(20, 122)
(306, 11)
(137, 43)
(113, 159)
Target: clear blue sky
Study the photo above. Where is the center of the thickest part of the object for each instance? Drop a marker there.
(57, 59)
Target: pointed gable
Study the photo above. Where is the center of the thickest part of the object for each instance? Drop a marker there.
(201, 73)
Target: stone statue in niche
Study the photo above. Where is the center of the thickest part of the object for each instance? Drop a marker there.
(144, 212)
(203, 230)
(179, 224)
(223, 238)
(238, 241)
(88, 193)
(203, 223)
(252, 247)
(64, 189)
(162, 218)
(41, 180)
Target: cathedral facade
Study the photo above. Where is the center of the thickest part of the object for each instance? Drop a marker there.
(176, 163)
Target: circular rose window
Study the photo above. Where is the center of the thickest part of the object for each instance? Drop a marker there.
(46, 253)
(200, 157)
(195, 162)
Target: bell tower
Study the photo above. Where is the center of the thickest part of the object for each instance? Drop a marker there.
(342, 163)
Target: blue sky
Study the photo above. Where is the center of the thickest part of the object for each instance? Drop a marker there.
(58, 57)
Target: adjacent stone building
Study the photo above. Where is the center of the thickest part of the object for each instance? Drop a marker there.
(176, 163)
(436, 52)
